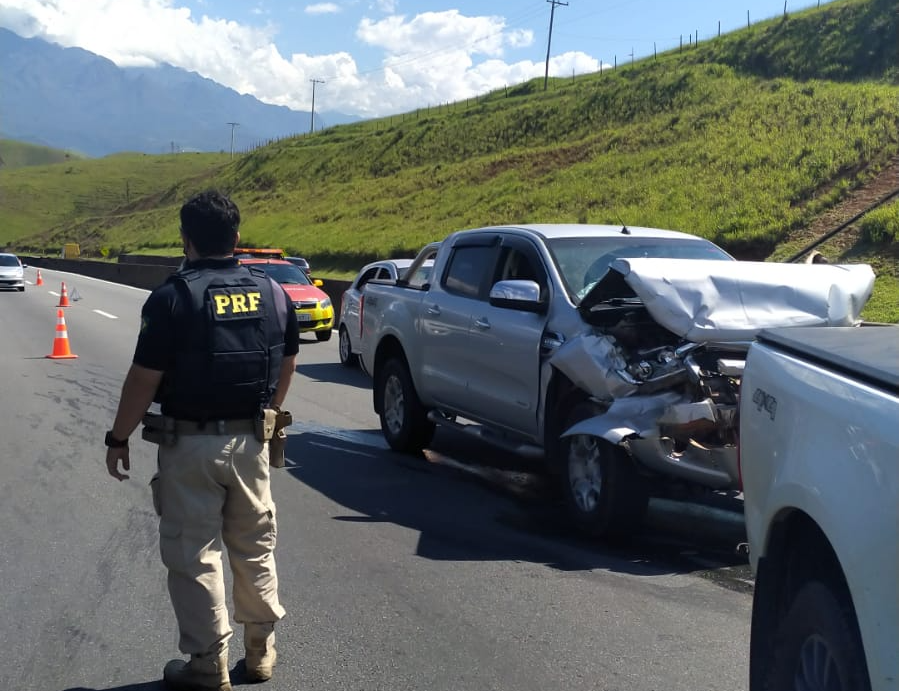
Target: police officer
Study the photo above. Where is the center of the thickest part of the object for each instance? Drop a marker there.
(217, 344)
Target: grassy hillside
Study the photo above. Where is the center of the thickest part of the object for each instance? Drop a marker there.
(15, 154)
(841, 41)
(75, 199)
(742, 139)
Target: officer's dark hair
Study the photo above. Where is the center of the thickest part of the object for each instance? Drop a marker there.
(210, 221)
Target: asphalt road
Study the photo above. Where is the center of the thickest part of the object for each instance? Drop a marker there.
(449, 572)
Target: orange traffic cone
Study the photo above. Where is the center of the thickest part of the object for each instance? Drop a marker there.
(61, 349)
(63, 296)
(39, 281)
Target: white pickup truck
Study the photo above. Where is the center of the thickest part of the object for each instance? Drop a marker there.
(615, 353)
(819, 446)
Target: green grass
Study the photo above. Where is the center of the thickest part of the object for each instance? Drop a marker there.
(882, 224)
(742, 139)
(846, 40)
(14, 154)
(76, 200)
(884, 303)
(738, 159)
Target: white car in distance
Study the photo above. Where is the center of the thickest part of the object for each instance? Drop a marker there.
(349, 323)
(12, 272)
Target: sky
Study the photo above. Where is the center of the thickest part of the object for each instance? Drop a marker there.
(372, 58)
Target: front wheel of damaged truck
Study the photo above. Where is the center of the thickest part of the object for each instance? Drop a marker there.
(404, 420)
(603, 493)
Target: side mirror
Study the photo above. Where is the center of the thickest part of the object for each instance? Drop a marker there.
(317, 282)
(517, 295)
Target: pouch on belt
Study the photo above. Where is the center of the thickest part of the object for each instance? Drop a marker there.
(278, 442)
(158, 429)
(264, 425)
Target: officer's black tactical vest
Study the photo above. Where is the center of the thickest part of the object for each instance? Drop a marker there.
(229, 344)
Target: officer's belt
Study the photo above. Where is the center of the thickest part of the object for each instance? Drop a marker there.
(188, 427)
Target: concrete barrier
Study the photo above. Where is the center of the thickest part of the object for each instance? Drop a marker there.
(148, 275)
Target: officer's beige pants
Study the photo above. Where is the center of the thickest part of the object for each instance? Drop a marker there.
(213, 489)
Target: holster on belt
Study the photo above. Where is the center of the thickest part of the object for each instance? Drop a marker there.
(159, 429)
(278, 442)
(264, 424)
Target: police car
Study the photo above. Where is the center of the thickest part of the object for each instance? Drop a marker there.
(315, 313)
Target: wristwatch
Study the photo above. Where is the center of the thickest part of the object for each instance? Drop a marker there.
(114, 443)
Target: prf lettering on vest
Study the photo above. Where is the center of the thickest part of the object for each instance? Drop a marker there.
(233, 304)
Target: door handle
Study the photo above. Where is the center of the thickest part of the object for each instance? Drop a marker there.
(434, 309)
(482, 323)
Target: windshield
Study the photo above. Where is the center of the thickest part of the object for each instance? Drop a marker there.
(8, 260)
(583, 261)
(287, 274)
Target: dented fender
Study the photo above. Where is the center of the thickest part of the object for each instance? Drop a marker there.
(626, 417)
(636, 423)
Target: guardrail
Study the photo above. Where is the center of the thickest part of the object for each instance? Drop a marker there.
(137, 271)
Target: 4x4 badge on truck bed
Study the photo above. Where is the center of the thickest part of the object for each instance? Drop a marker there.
(766, 401)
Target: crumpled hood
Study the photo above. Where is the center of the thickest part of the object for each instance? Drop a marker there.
(702, 300)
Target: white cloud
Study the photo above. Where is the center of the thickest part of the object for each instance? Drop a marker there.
(385, 6)
(429, 58)
(322, 8)
(435, 31)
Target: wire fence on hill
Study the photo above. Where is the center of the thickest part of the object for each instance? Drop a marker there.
(686, 42)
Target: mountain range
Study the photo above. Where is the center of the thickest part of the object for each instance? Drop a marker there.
(72, 99)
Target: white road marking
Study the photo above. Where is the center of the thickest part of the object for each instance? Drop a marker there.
(106, 314)
(83, 277)
(343, 449)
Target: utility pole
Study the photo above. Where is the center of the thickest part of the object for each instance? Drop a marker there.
(233, 125)
(552, 14)
(312, 114)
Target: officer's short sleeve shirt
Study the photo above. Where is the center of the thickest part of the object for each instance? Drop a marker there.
(292, 331)
(156, 340)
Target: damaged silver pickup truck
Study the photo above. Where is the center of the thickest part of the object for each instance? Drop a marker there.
(613, 353)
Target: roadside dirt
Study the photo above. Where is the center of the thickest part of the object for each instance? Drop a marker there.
(859, 199)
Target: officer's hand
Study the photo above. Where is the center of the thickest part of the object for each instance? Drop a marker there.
(112, 462)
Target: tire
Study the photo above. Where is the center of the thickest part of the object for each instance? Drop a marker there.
(322, 336)
(345, 349)
(604, 495)
(817, 646)
(404, 421)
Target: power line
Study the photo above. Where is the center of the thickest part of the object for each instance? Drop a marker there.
(552, 14)
(312, 114)
(233, 125)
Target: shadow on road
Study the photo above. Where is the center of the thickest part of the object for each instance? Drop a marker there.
(496, 507)
(237, 674)
(335, 373)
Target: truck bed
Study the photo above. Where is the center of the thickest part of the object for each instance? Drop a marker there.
(869, 353)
